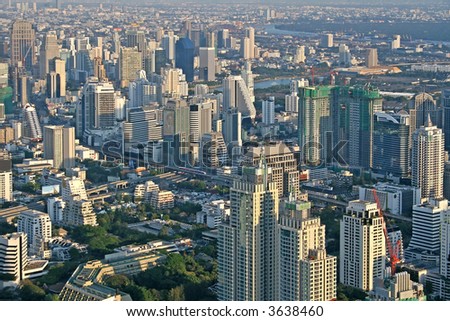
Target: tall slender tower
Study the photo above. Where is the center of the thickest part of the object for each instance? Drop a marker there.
(362, 246)
(247, 252)
(59, 145)
(236, 95)
(445, 100)
(427, 160)
(49, 50)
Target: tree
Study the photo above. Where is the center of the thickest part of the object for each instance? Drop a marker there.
(118, 281)
(176, 294)
(31, 292)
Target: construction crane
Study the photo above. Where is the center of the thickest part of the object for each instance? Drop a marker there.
(392, 250)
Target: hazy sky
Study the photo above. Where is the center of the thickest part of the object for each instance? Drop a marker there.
(260, 2)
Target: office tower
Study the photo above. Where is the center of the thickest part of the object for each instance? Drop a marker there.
(99, 69)
(427, 160)
(159, 59)
(38, 228)
(445, 102)
(59, 145)
(445, 246)
(236, 95)
(291, 103)
(306, 273)
(168, 42)
(300, 57)
(446, 187)
(391, 147)
(399, 287)
(223, 38)
(49, 50)
(116, 43)
(6, 178)
(420, 107)
(184, 57)
(213, 151)
(232, 128)
(186, 29)
(207, 63)
(314, 122)
(282, 162)
(136, 38)
(357, 106)
(200, 121)
(23, 36)
(372, 58)
(142, 92)
(97, 107)
(345, 57)
(14, 255)
(395, 44)
(362, 245)
(56, 79)
(247, 251)
(130, 63)
(245, 48)
(201, 90)
(78, 209)
(326, 41)
(248, 77)
(425, 242)
(141, 126)
(32, 126)
(176, 118)
(250, 35)
(268, 111)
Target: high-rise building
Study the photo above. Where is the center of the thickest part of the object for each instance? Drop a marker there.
(372, 58)
(327, 40)
(395, 44)
(445, 101)
(268, 111)
(445, 257)
(306, 273)
(136, 38)
(223, 38)
(49, 50)
(300, 56)
(425, 242)
(248, 77)
(391, 149)
(232, 129)
(141, 92)
(130, 63)
(345, 57)
(446, 186)
(314, 122)
(6, 178)
(184, 57)
(291, 103)
(200, 121)
(213, 151)
(56, 79)
(38, 227)
(422, 106)
(236, 95)
(168, 42)
(355, 110)
(247, 251)
(59, 145)
(207, 63)
(427, 160)
(248, 44)
(78, 209)
(97, 107)
(362, 246)
(32, 126)
(282, 162)
(14, 255)
(23, 36)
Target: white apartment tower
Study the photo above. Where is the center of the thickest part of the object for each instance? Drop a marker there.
(427, 160)
(78, 209)
(13, 255)
(362, 246)
(236, 95)
(247, 252)
(306, 273)
(38, 228)
(268, 111)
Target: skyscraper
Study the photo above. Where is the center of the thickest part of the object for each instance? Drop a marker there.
(49, 50)
(207, 63)
(427, 160)
(420, 107)
(14, 255)
(362, 246)
(141, 91)
(268, 111)
(136, 38)
(6, 178)
(327, 40)
(299, 56)
(78, 209)
(32, 126)
(200, 121)
(184, 57)
(247, 269)
(445, 256)
(314, 122)
(59, 145)
(236, 95)
(248, 77)
(248, 43)
(306, 273)
(168, 42)
(395, 44)
(232, 129)
(372, 58)
(391, 144)
(38, 227)
(56, 79)
(130, 63)
(23, 36)
(213, 151)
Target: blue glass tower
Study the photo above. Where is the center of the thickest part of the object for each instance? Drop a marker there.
(184, 57)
